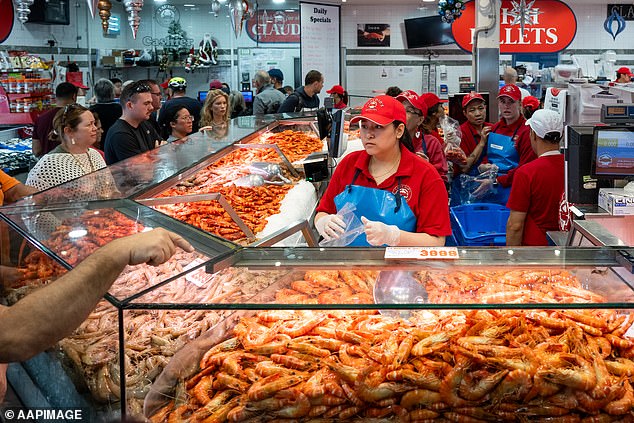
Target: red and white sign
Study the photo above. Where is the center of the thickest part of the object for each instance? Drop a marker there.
(274, 26)
(6, 19)
(549, 27)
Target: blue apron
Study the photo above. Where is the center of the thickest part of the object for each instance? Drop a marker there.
(378, 205)
(501, 151)
(455, 196)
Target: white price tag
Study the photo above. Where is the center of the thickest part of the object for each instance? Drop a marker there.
(198, 277)
(422, 253)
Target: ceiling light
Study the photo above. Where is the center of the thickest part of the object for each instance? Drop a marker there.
(428, 1)
(189, 5)
(278, 1)
(160, 1)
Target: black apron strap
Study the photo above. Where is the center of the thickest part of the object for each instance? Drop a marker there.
(398, 194)
(354, 178)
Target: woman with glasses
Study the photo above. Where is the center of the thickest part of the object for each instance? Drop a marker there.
(425, 145)
(176, 122)
(215, 113)
(74, 127)
(399, 199)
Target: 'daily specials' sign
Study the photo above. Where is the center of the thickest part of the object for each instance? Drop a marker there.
(549, 27)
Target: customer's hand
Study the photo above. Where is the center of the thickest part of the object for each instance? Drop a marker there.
(330, 226)
(153, 247)
(378, 233)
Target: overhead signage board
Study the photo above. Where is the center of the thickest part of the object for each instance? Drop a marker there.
(549, 27)
(274, 26)
(321, 40)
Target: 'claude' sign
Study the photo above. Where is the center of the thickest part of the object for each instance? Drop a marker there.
(549, 27)
(274, 26)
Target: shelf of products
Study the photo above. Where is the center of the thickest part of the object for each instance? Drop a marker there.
(261, 330)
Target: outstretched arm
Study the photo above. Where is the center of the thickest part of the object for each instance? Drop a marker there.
(53, 312)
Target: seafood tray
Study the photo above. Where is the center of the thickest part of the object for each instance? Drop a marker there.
(249, 206)
(437, 365)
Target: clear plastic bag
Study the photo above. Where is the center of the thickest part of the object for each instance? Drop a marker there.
(477, 189)
(453, 136)
(354, 227)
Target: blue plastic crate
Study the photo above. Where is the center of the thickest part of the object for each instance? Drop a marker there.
(479, 224)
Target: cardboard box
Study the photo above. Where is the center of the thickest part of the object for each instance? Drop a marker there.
(616, 201)
(108, 61)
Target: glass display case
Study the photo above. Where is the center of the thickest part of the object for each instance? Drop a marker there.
(383, 332)
(229, 332)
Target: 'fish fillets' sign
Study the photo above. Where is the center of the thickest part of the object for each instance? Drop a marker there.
(549, 27)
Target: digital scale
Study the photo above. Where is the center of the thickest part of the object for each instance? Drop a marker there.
(618, 114)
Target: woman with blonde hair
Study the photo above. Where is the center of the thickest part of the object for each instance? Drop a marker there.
(215, 113)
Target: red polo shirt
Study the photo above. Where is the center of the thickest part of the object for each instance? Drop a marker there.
(421, 186)
(468, 142)
(522, 145)
(435, 152)
(537, 190)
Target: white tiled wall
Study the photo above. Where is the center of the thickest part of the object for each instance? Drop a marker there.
(362, 80)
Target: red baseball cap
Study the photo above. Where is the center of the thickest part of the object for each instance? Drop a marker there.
(164, 84)
(530, 102)
(624, 69)
(511, 91)
(430, 99)
(382, 110)
(215, 85)
(414, 99)
(338, 89)
(472, 96)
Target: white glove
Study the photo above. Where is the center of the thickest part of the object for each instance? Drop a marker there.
(330, 227)
(487, 166)
(378, 233)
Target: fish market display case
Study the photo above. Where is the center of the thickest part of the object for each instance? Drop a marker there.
(306, 332)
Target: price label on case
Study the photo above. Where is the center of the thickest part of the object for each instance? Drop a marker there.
(422, 253)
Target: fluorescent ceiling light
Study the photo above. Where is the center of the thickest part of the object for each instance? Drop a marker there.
(278, 1)
(429, 1)
(189, 5)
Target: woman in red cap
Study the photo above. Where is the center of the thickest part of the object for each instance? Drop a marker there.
(339, 95)
(530, 105)
(508, 145)
(399, 197)
(435, 112)
(425, 144)
(473, 143)
(623, 75)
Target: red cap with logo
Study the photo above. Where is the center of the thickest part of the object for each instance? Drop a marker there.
(382, 110)
(337, 89)
(472, 96)
(414, 99)
(624, 70)
(511, 91)
(430, 99)
(530, 102)
(215, 85)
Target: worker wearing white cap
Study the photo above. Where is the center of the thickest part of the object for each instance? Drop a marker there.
(538, 186)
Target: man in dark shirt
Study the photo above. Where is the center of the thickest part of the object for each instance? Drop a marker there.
(156, 102)
(132, 134)
(106, 108)
(176, 88)
(304, 98)
(277, 79)
(65, 93)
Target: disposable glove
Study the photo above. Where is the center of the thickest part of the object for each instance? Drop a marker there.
(378, 233)
(330, 227)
